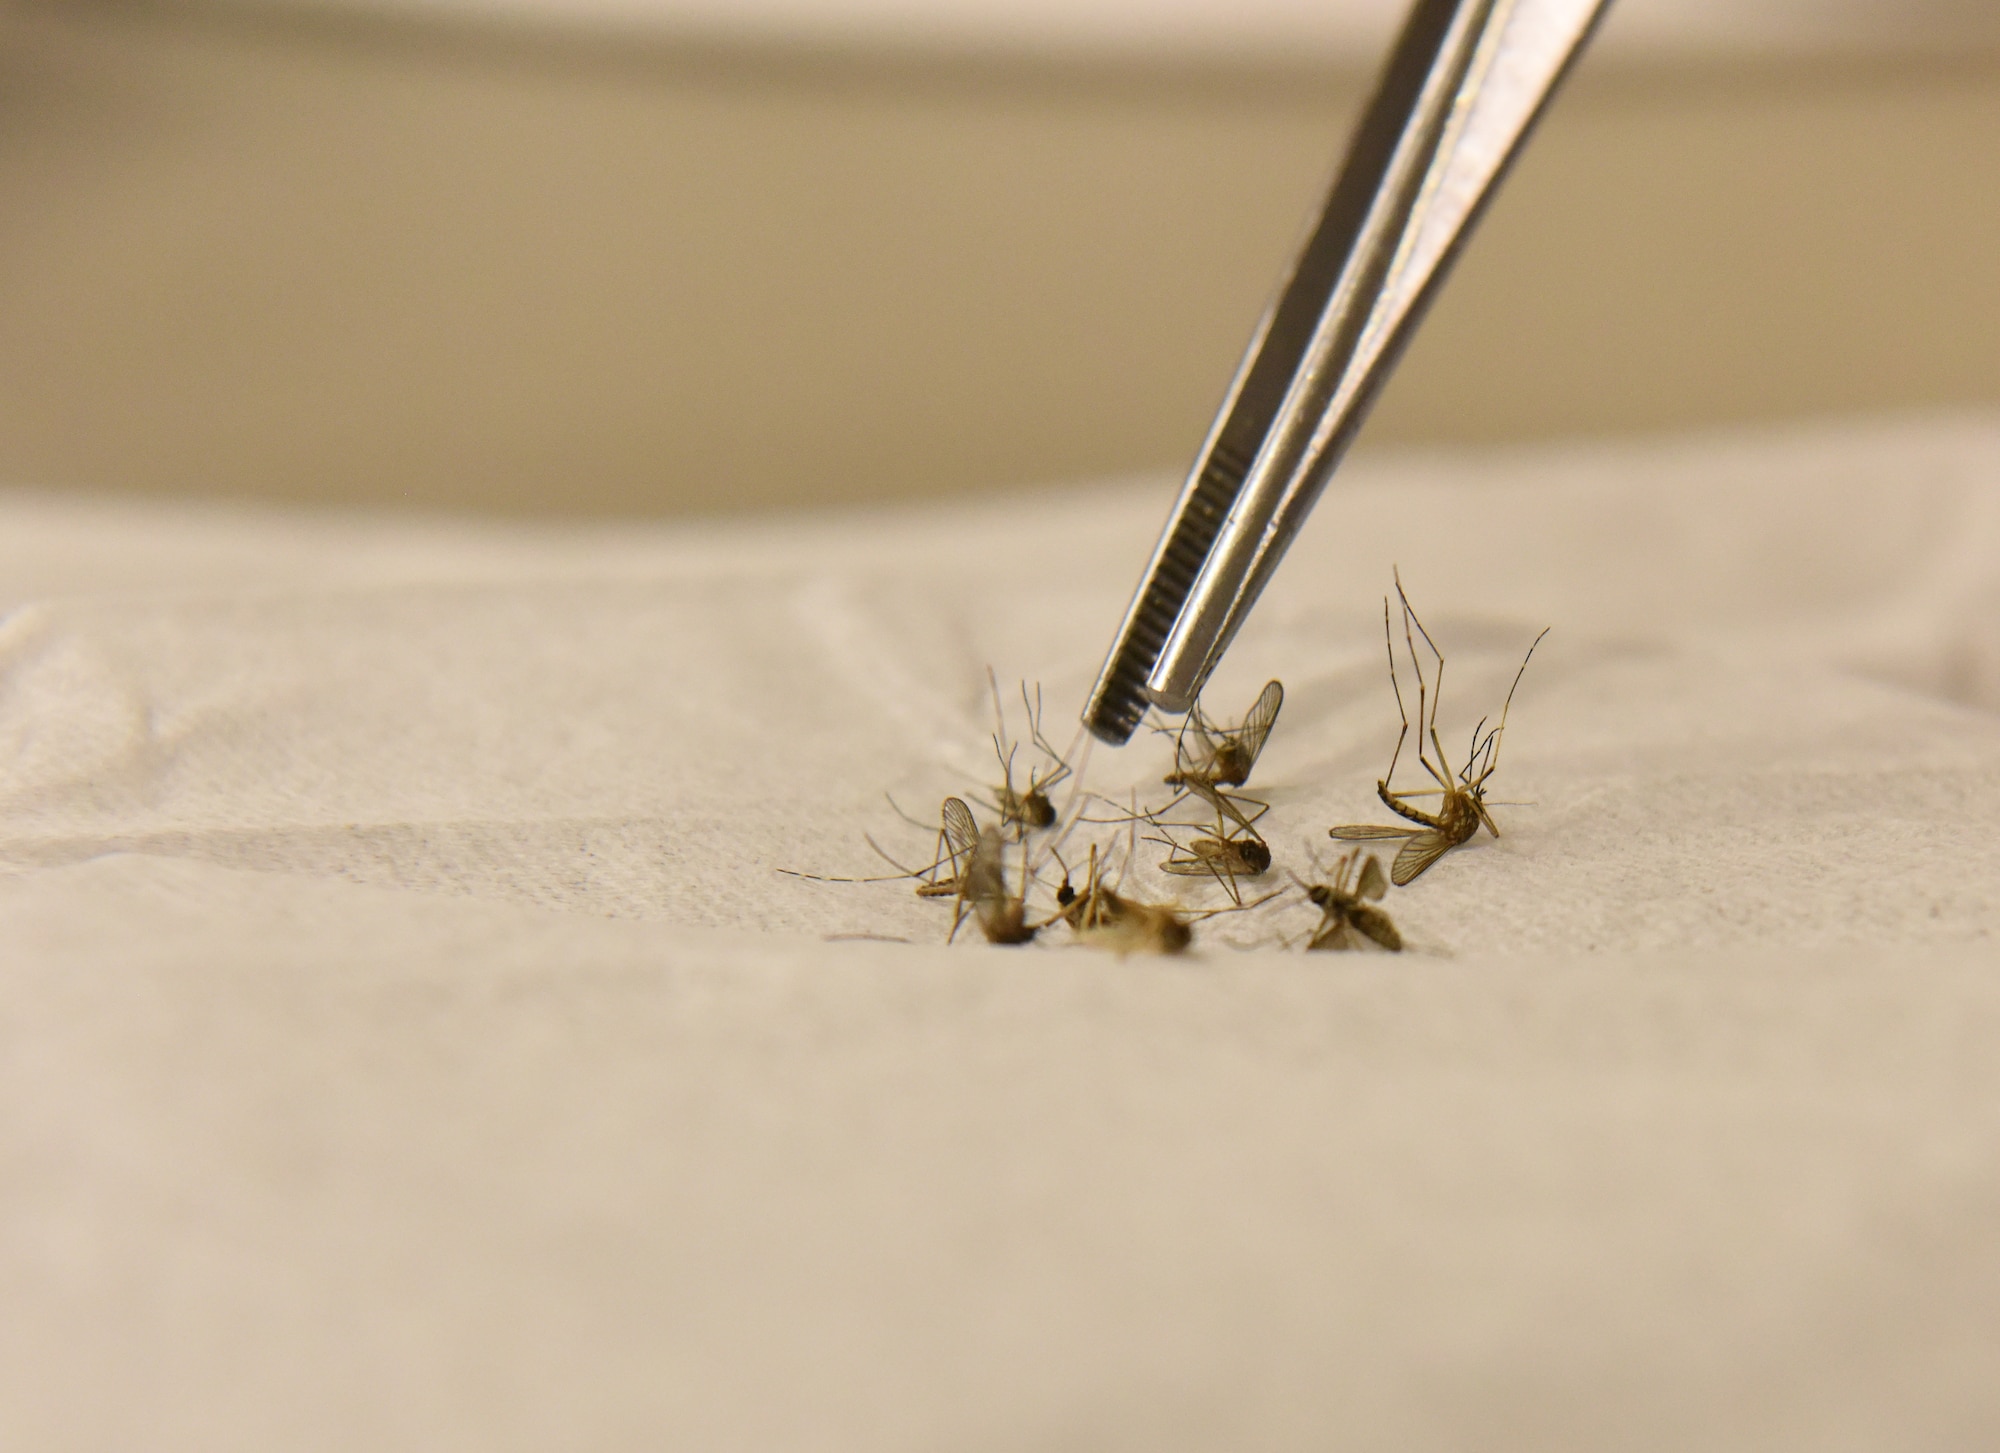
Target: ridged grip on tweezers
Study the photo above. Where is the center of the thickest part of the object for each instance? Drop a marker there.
(1465, 82)
(1120, 701)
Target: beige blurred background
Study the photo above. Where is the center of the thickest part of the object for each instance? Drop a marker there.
(336, 256)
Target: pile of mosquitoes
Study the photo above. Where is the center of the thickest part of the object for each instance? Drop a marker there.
(1030, 869)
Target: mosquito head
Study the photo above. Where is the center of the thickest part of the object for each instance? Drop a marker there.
(1255, 853)
(1034, 808)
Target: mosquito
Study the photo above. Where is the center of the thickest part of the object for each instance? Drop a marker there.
(1002, 914)
(1026, 809)
(1223, 756)
(1102, 917)
(1346, 905)
(958, 832)
(1225, 858)
(1462, 811)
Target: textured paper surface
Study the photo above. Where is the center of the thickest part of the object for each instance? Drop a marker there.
(338, 1107)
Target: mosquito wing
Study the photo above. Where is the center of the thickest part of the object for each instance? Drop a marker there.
(1371, 884)
(1417, 855)
(960, 831)
(999, 913)
(1363, 833)
(1376, 925)
(1256, 728)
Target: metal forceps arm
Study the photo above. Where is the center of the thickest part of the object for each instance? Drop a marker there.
(1464, 84)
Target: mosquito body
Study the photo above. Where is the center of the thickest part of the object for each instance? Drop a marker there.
(1346, 906)
(1142, 928)
(1000, 911)
(1461, 810)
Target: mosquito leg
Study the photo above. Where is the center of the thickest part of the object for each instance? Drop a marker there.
(913, 822)
(1443, 761)
(1395, 686)
(1494, 740)
(1426, 724)
(1423, 719)
(1225, 874)
(999, 716)
(906, 872)
(1427, 710)
(1412, 610)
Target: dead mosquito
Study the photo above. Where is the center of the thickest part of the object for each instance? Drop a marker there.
(1029, 808)
(1208, 758)
(1346, 905)
(1225, 858)
(958, 832)
(1224, 756)
(1463, 809)
(1002, 913)
(1102, 917)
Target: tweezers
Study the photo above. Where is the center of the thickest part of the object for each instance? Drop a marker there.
(1464, 85)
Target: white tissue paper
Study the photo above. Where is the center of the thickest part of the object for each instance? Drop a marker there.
(410, 1039)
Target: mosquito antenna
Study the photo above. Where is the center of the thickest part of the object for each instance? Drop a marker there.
(1472, 757)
